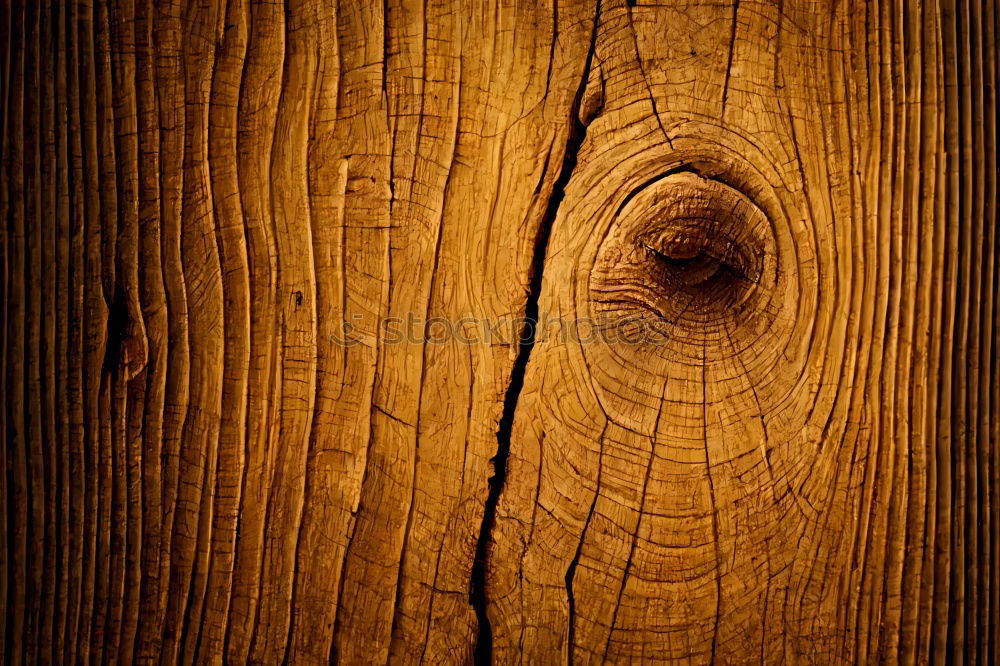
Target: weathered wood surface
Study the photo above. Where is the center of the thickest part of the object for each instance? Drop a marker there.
(215, 448)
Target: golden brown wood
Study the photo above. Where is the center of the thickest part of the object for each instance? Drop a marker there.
(456, 331)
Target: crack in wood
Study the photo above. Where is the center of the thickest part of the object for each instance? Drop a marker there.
(577, 134)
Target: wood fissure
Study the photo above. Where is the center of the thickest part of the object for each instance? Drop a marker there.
(478, 595)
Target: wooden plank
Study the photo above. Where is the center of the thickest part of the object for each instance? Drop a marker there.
(459, 331)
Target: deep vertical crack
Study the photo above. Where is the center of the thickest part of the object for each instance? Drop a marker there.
(729, 63)
(577, 133)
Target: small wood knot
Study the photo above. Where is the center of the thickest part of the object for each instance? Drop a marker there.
(688, 252)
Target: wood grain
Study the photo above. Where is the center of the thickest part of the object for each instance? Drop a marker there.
(457, 331)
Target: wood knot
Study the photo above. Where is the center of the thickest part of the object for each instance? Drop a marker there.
(689, 256)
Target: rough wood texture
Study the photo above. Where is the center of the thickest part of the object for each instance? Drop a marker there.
(460, 330)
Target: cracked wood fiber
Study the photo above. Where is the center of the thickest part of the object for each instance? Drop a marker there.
(494, 331)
